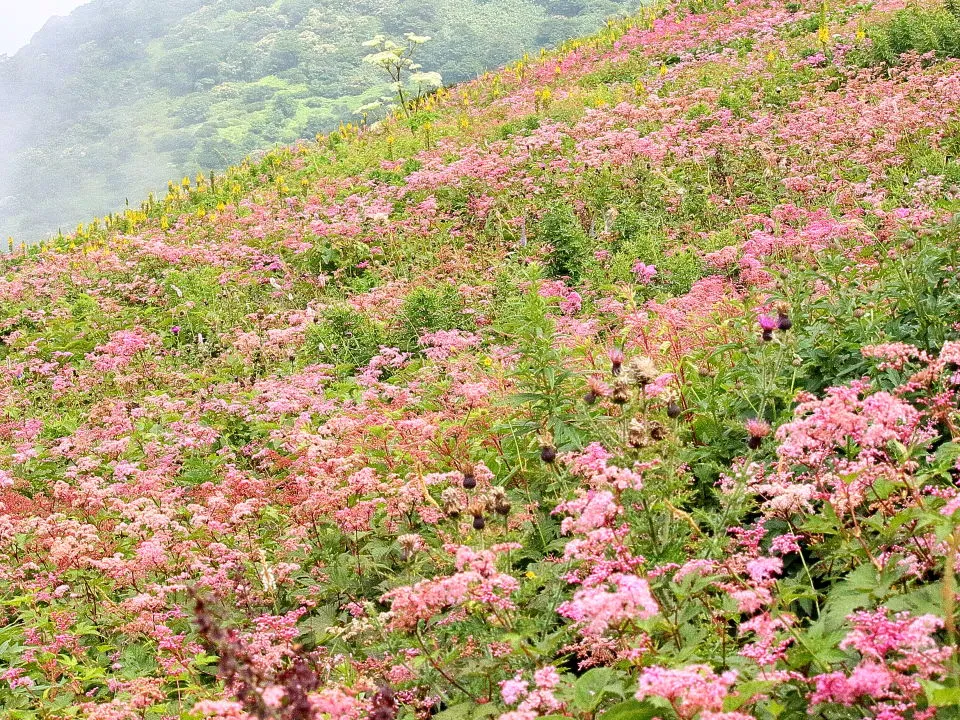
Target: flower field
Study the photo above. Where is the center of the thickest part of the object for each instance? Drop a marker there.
(621, 384)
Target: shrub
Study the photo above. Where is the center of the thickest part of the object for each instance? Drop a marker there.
(917, 30)
(428, 310)
(344, 338)
(570, 244)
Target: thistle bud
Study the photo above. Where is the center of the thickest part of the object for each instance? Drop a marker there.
(478, 522)
(469, 480)
(596, 388)
(548, 453)
(758, 430)
(673, 410)
(767, 325)
(783, 316)
(616, 361)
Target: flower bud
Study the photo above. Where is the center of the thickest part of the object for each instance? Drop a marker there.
(548, 453)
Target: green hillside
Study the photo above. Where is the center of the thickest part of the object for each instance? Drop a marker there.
(113, 101)
(620, 384)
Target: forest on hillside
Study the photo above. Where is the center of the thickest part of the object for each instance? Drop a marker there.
(122, 96)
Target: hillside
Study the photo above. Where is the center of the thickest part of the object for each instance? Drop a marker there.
(113, 101)
(621, 384)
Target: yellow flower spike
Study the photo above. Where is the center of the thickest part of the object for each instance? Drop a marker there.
(530, 575)
(823, 35)
(663, 69)
(771, 56)
(861, 35)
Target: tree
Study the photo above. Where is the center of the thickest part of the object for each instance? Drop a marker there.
(405, 75)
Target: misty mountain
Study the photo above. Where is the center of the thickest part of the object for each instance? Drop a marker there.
(122, 96)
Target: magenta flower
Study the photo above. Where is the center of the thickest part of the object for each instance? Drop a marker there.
(768, 324)
(644, 273)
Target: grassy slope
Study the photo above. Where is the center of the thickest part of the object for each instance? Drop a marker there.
(204, 84)
(266, 390)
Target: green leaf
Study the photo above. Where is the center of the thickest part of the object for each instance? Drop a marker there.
(466, 711)
(630, 710)
(940, 696)
(590, 687)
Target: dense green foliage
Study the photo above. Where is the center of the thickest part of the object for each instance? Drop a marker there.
(916, 30)
(124, 95)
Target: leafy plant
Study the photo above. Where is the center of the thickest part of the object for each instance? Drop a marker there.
(344, 338)
(569, 246)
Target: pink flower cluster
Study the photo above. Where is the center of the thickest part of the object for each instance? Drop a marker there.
(689, 690)
(896, 654)
(531, 703)
(619, 599)
(476, 579)
(119, 351)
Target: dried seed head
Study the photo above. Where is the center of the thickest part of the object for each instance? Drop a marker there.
(452, 501)
(637, 434)
(621, 391)
(641, 371)
(657, 431)
(410, 545)
(498, 500)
